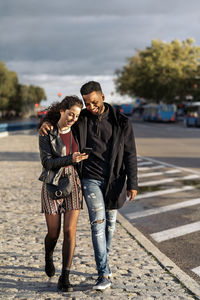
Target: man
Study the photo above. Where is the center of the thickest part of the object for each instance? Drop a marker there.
(110, 172)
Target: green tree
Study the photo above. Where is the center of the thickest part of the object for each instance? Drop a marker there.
(27, 97)
(162, 72)
(8, 86)
(17, 97)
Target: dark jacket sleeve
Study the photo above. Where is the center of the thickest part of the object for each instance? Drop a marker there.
(130, 157)
(49, 161)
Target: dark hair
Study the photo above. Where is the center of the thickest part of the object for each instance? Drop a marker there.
(53, 113)
(89, 87)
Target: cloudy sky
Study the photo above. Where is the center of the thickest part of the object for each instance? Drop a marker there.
(61, 44)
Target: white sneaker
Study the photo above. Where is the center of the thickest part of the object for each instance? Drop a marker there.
(102, 283)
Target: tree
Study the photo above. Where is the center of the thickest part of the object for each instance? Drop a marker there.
(27, 96)
(17, 97)
(162, 72)
(8, 86)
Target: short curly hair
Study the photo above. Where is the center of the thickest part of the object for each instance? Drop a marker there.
(89, 87)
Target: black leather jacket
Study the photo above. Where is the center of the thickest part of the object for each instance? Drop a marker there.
(53, 156)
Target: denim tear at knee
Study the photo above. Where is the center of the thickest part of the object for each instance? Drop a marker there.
(97, 222)
(98, 227)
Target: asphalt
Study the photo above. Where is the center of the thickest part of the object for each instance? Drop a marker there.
(140, 270)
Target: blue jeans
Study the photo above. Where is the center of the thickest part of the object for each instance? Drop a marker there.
(102, 222)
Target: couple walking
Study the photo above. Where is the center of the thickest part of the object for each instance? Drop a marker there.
(105, 177)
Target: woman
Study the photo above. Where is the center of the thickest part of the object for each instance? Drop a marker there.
(58, 162)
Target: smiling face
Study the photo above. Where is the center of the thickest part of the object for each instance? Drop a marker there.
(69, 116)
(94, 102)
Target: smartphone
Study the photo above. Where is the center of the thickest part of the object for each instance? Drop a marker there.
(86, 150)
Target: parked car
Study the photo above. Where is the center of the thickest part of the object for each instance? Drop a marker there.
(192, 117)
(159, 112)
(41, 113)
(127, 109)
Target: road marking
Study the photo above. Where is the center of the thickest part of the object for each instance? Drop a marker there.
(171, 165)
(161, 173)
(3, 134)
(166, 180)
(175, 232)
(157, 182)
(151, 174)
(173, 171)
(190, 177)
(158, 210)
(196, 270)
(145, 163)
(163, 192)
(151, 168)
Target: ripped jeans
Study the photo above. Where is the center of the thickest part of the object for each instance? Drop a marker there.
(102, 222)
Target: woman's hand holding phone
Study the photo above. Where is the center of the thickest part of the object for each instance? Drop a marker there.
(77, 157)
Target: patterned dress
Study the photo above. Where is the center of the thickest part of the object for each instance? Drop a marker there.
(75, 199)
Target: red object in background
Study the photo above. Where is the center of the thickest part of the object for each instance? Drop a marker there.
(36, 104)
(42, 113)
(59, 94)
(195, 86)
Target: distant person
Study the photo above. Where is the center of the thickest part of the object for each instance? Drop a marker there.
(110, 172)
(59, 152)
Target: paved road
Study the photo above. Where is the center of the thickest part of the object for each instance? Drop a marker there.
(171, 143)
(168, 206)
(136, 274)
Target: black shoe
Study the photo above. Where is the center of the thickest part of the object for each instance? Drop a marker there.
(64, 284)
(49, 266)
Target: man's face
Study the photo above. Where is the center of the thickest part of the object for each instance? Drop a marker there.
(94, 102)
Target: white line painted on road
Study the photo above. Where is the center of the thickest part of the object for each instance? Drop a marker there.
(163, 192)
(189, 177)
(158, 210)
(3, 134)
(171, 165)
(167, 180)
(151, 174)
(157, 182)
(161, 173)
(151, 168)
(173, 171)
(175, 232)
(145, 163)
(196, 270)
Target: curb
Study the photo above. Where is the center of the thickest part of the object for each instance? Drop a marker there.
(5, 128)
(166, 263)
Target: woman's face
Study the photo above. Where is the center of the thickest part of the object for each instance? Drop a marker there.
(69, 116)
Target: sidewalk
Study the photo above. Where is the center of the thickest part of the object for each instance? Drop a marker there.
(136, 274)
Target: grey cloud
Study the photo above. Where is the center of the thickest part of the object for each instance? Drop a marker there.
(94, 7)
(88, 36)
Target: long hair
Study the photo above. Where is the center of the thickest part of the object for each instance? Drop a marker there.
(53, 113)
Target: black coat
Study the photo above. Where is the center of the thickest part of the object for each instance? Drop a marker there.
(123, 158)
(53, 156)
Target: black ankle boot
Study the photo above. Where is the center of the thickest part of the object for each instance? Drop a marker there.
(63, 282)
(49, 266)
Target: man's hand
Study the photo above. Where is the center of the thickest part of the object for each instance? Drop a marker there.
(131, 194)
(77, 157)
(43, 129)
